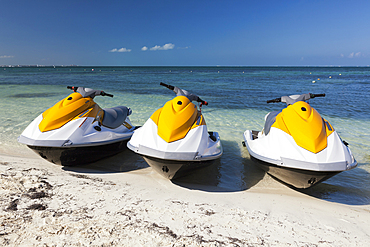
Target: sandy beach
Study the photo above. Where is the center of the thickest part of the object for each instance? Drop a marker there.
(43, 204)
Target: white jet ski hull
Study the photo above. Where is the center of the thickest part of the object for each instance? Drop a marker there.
(172, 160)
(279, 155)
(78, 142)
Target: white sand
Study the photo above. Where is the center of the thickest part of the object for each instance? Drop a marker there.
(42, 204)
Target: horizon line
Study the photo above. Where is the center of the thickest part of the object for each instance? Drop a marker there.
(72, 65)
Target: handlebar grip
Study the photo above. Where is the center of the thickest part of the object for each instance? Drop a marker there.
(106, 94)
(202, 101)
(167, 86)
(317, 95)
(72, 88)
(274, 100)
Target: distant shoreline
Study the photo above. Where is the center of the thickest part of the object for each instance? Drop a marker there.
(183, 66)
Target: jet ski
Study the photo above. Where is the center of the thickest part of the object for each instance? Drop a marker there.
(174, 140)
(77, 131)
(297, 146)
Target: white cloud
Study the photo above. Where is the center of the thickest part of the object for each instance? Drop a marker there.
(120, 50)
(5, 56)
(155, 48)
(357, 54)
(168, 46)
(124, 50)
(144, 48)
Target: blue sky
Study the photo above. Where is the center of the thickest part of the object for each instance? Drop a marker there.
(185, 33)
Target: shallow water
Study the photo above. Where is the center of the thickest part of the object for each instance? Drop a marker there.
(237, 101)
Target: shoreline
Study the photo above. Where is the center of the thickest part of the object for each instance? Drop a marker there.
(46, 204)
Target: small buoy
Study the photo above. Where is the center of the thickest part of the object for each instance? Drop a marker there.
(318, 79)
(329, 77)
(92, 69)
(340, 74)
(313, 81)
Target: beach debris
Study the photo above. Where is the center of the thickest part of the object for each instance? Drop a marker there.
(13, 205)
(36, 206)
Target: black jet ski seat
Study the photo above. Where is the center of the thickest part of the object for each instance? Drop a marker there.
(270, 120)
(114, 117)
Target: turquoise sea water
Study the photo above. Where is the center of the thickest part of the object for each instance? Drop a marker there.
(237, 101)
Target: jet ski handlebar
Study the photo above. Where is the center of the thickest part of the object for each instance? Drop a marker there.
(88, 92)
(294, 98)
(179, 91)
(202, 101)
(274, 100)
(316, 95)
(167, 86)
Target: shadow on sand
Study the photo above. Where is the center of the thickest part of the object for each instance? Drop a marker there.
(125, 161)
(342, 189)
(233, 172)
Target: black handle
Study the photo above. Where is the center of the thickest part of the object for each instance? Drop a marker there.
(274, 100)
(316, 95)
(72, 88)
(167, 86)
(102, 93)
(202, 101)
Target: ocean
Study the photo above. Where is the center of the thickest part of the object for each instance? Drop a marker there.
(237, 101)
